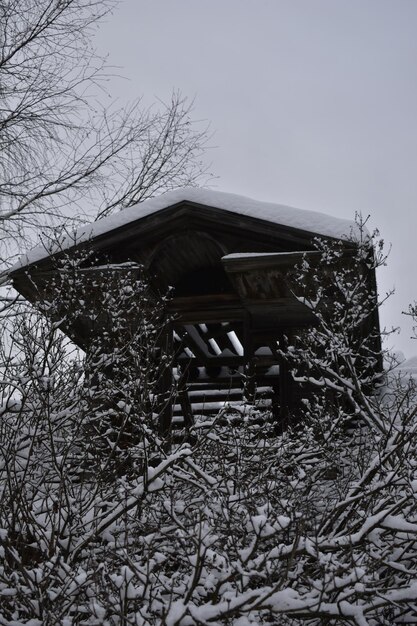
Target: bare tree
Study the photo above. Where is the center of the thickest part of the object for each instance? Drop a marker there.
(61, 150)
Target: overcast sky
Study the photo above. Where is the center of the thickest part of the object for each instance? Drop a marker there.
(313, 103)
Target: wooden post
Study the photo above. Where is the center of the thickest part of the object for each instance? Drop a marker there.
(184, 399)
(285, 386)
(248, 347)
(165, 388)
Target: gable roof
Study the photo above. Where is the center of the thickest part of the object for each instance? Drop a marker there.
(277, 214)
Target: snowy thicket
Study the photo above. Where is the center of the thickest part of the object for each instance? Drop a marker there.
(102, 522)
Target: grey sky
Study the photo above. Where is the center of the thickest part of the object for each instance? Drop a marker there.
(313, 104)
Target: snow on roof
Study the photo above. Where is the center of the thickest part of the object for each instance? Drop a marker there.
(250, 255)
(310, 221)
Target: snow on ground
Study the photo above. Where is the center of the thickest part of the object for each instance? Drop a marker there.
(410, 365)
(310, 221)
(408, 368)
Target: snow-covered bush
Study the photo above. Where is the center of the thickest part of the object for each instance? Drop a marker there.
(103, 523)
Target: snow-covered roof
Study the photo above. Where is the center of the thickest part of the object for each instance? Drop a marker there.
(310, 221)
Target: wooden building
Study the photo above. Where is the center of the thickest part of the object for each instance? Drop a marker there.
(226, 258)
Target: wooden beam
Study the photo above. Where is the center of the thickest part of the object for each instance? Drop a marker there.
(165, 391)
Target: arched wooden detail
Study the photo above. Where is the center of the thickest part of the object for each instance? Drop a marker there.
(182, 253)
(203, 281)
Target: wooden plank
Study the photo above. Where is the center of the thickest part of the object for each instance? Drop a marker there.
(184, 399)
(245, 263)
(189, 337)
(164, 391)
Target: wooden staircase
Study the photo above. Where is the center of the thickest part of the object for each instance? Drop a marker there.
(202, 401)
(218, 378)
